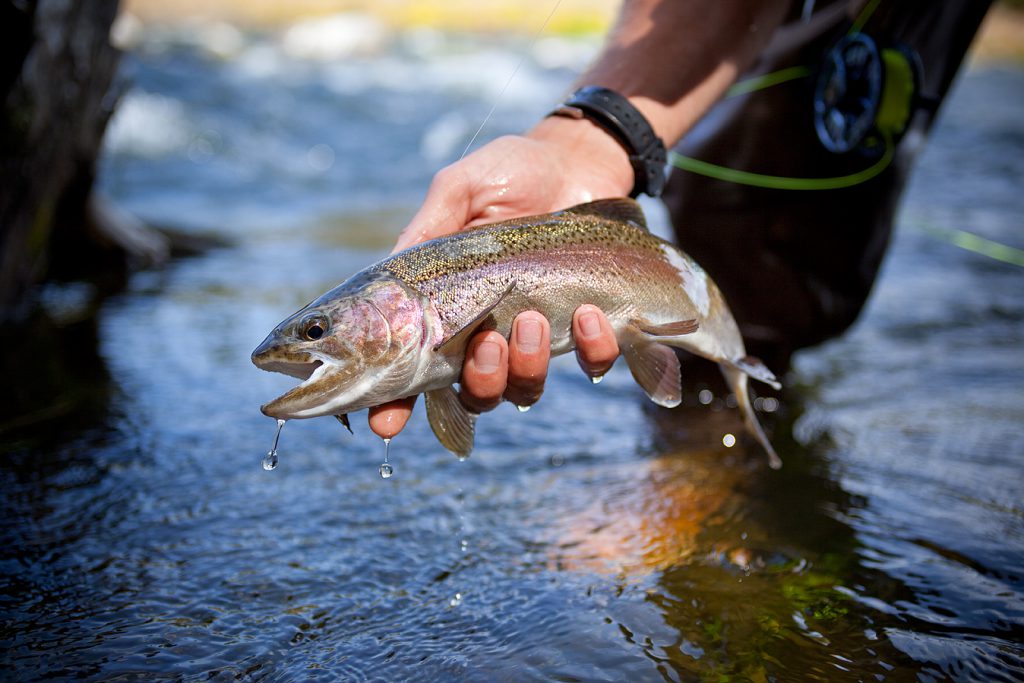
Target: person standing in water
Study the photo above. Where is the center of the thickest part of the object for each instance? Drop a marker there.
(801, 165)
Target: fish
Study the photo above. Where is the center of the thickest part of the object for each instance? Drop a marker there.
(400, 327)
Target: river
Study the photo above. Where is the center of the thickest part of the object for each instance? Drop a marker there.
(593, 538)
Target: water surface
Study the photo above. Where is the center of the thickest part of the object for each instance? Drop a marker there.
(595, 537)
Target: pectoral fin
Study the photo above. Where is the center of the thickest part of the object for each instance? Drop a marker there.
(755, 368)
(452, 423)
(459, 339)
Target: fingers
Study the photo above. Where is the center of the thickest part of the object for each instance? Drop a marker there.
(494, 368)
(529, 354)
(388, 419)
(596, 347)
(485, 371)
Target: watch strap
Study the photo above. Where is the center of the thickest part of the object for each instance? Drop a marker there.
(616, 115)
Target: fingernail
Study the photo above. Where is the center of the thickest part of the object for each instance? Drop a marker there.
(486, 357)
(590, 325)
(528, 332)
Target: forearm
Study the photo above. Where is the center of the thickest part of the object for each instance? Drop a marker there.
(673, 59)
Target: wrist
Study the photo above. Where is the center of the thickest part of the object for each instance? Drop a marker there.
(588, 151)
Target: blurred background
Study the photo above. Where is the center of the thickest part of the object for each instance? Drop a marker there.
(258, 153)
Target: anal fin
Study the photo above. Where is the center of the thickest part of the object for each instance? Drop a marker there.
(453, 424)
(655, 367)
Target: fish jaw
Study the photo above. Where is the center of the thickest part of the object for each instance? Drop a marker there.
(274, 355)
(322, 381)
(325, 392)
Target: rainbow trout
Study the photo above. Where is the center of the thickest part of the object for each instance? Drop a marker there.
(400, 327)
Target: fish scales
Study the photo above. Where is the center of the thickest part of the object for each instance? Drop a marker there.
(589, 260)
(400, 327)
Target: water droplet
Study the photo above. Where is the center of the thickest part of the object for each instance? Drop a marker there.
(729, 440)
(596, 379)
(705, 396)
(522, 409)
(270, 459)
(385, 469)
(456, 601)
(461, 458)
(464, 545)
(771, 404)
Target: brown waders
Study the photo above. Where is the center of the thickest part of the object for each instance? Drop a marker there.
(796, 266)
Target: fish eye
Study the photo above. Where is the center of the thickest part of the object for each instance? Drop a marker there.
(314, 328)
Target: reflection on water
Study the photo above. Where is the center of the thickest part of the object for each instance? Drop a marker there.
(594, 537)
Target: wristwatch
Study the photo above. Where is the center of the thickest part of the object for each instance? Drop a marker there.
(624, 122)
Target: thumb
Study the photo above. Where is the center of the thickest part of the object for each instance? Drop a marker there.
(446, 209)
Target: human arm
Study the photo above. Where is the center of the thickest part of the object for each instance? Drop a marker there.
(672, 60)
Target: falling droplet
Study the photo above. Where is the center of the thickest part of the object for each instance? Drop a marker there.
(705, 396)
(270, 459)
(596, 379)
(728, 440)
(385, 469)
(456, 601)
(522, 409)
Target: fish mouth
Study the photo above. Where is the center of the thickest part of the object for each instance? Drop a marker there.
(304, 400)
(301, 369)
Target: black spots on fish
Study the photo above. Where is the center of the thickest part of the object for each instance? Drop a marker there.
(615, 209)
(488, 246)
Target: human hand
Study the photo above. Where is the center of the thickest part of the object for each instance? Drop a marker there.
(560, 163)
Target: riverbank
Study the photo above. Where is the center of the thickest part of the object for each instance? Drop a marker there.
(571, 17)
(1001, 38)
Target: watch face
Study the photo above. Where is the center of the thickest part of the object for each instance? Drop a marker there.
(848, 93)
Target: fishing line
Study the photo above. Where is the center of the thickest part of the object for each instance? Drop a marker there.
(772, 182)
(522, 59)
(755, 83)
(973, 243)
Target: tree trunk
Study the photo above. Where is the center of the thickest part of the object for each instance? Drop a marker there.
(55, 77)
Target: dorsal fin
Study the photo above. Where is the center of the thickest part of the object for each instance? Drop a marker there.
(616, 209)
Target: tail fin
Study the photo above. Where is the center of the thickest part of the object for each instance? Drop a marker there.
(749, 365)
(737, 380)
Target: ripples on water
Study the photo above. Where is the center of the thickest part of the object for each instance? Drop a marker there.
(594, 538)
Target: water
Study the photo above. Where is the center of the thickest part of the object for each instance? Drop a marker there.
(270, 459)
(386, 470)
(604, 538)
